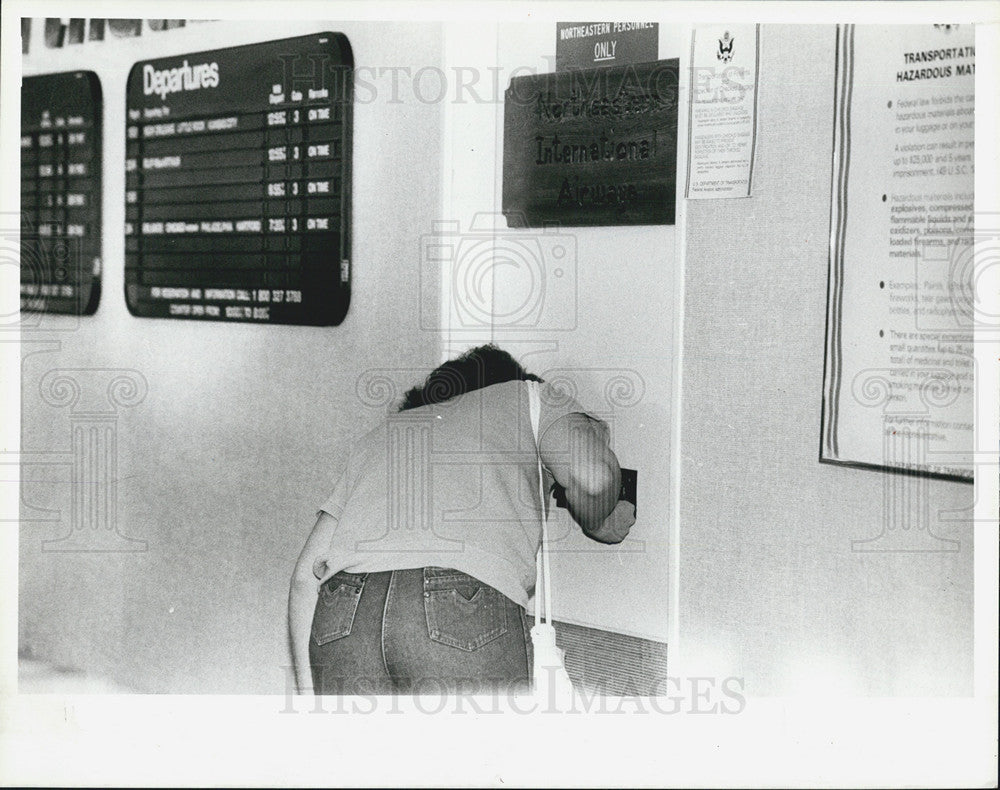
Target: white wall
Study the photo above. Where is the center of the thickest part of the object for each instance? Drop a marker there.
(613, 336)
(223, 465)
(224, 462)
(770, 588)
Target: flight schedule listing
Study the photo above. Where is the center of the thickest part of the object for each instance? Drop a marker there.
(238, 183)
(60, 245)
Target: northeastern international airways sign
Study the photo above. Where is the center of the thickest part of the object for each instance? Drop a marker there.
(591, 147)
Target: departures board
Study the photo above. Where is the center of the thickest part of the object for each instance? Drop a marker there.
(238, 183)
(60, 244)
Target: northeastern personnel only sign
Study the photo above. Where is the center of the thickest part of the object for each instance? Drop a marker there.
(588, 45)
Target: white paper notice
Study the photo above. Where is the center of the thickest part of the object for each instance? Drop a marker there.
(722, 132)
(898, 390)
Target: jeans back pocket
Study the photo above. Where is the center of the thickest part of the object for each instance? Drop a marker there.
(336, 607)
(461, 611)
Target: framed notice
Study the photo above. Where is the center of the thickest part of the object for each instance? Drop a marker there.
(722, 122)
(238, 183)
(61, 193)
(591, 147)
(899, 371)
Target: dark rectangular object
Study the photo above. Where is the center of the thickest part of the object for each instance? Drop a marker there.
(630, 482)
(167, 179)
(592, 147)
(589, 45)
(61, 193)
(230, 153)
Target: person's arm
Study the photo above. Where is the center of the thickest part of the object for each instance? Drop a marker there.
(574, 448)
(615, 528)
(302, 598)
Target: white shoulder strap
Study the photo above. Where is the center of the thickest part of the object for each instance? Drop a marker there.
(543, 589)
(534, 407)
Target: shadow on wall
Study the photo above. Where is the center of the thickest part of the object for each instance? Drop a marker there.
(39, 677)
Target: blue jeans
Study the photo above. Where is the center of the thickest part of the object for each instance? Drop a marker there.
(417, 631)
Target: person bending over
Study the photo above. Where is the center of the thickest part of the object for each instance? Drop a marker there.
(417, 572)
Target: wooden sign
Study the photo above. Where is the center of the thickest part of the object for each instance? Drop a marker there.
(591, 147)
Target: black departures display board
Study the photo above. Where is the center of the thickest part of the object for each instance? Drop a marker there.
(61, 193)
(238, 183)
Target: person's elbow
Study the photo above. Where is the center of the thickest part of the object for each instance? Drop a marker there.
(576, 450)
(303, 580)
(600, 479)
(593, 469)
(594, 492)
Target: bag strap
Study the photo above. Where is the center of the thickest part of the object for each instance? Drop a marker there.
(543, 590)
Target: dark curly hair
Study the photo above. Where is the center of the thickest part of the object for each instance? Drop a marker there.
(477, 368)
